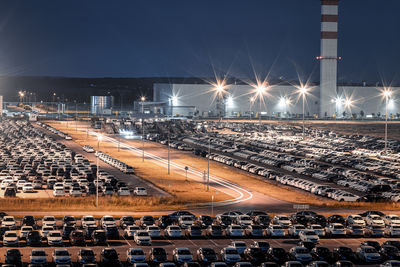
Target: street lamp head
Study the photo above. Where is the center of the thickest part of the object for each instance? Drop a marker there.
(348, 102)
(99, 137)
(260, 89)
(143, 98)
(303, 90)
(219, 88)
(387, 93)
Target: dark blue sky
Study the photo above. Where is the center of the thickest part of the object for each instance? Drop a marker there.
(149, 38)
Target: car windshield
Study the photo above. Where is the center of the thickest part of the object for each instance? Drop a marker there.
(231, 251)
(55, 234)
(370, 250)
(136, 252)
(302, 250)
(11, 235)
(38, 253)
(183, 252)
(159, 251)
(143, 234)
(8, 219)
(110, 254)
(87, 252)
(310, 233)
(208, 251)
(61, 253)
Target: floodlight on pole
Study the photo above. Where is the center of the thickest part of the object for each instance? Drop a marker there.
(303, 91)
(387, 93)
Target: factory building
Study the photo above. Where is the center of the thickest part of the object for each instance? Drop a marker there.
(324, 100)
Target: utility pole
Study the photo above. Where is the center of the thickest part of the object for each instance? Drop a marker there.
(169, 148)
(208, 162)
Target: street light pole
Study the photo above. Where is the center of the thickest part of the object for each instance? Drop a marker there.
(143, 140)
(386, 121)
(303, 116)
(97, 182)
(169, 147)
(208, 162)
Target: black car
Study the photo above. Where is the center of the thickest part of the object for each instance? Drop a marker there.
(322, 254)
(33, 238)
(336, 219)
(344, 253)
(109, 257)
(86, 255)
(88, 230)
(165, 221)
(194, 231)
(321, 220)
(204, 221)
(371, 243)
(99, 237)
(307, 244)
(13, 256)
(146, 221)
(175, 216)
(66, 231)
(394, 243)
(206, 255)
(112, 233)
(263, 245)
(126, 221)
(28, 221)
(10, 192)
(389, 253)
(157, 255)
(372, 212)
(254, 255)
(3, 229)
(277, 254)
(69, 220)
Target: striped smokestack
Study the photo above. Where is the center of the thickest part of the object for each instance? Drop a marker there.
(328, 64)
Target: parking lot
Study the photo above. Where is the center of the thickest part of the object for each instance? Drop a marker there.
(124, 238)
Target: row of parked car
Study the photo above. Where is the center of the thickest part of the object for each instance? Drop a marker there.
(123, 167)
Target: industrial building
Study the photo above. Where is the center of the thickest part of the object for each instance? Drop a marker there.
(101, 105)
(324, 100)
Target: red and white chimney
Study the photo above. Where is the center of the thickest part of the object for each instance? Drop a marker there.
(328, 58)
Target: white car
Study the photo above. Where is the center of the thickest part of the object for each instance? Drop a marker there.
(294, 230)
(230, 255)
(38, 256)
(391, 219)
(9, 221)
(282, 220)
(142, 237)
(107, 221)
(59, 192)
(54, 238)
(140, 191)
(88, 149)
(49, 221)
(185, 221)
(355, 219)
(309, 235)
(153, 231)
(45, 231)
(10, 238)
(24, 231)
(61, 256)
(374, 219)
(244, 220)
(88, 221)
(335, 229)
(130, 231)
(28, 188)
(75, 192)
(275, 230)
(134, 255)
(173, 231)
(392, 230)
(124, 191)
(317, 229)
(234, 231)
(182, 255)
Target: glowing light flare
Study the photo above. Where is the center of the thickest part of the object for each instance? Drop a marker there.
(99, 137)
(387, 93)
(229, 101)
(348, 102)
(303, 90)
(143, 98)
(174, 100)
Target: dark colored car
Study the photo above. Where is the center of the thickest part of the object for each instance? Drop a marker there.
(194, 231)
(109, 257)
(112, 233)
(99, 237)
(389, 253)
(13, 256)
(10, 192)
(307, 244)
(204, 221)
(67, 231)
(344, 253)
(157, 255)
(86, 255)
(322, 254)
(77, 237)
(277, 254)
(33, 239)
(89, 230)
(263, 245)
(371, 243)
(28, 221)
(165, 220)
(254, 255)
(206, 255)
(336, 219)
(126, 221)
(3, 229)
(146, 221)
(394, 243)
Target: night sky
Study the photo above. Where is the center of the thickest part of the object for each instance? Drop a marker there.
(192, 38)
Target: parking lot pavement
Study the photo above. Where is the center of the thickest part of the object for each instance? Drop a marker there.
(131, 180)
